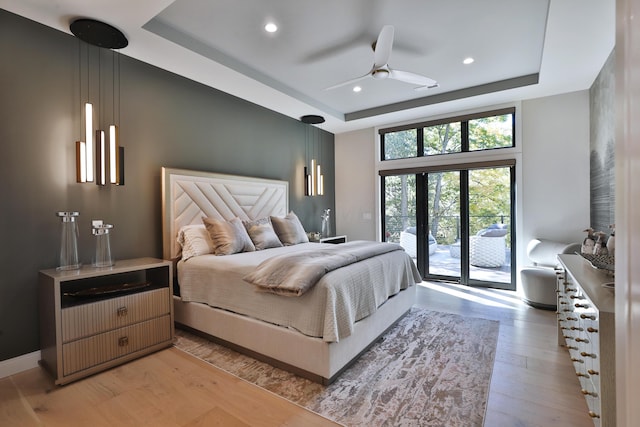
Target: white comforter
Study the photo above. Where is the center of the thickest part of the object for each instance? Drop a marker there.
(328, 310)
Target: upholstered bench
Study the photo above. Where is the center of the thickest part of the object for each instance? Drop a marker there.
(539, 280)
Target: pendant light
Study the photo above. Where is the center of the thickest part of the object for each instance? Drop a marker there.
(313, 178)
(107, 153)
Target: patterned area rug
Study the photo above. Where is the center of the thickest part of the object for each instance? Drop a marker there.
(431, 369)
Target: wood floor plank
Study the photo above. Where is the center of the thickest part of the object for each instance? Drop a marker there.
(538, 387)
(217, 417)
(14, 410)
(532, 414)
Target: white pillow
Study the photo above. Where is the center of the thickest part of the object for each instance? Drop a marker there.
(228, 237)
(289, 229)
(194, 241)
(262, 233)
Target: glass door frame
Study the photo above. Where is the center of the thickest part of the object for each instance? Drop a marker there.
(422, 220)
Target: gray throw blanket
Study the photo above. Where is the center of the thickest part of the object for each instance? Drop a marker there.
(295, 273)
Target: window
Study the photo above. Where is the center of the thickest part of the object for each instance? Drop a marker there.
(401, 144)
(442, 139)
(477, 132)
(491, 132)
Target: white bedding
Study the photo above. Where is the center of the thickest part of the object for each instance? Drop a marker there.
(329, 310)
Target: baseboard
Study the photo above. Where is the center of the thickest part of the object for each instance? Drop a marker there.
(19, 364)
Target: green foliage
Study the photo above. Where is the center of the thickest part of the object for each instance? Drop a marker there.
(442, 139)
(444, 206)
(489, 189)
(400, 205)
(489, 197)
(490, 132)
(401, 144)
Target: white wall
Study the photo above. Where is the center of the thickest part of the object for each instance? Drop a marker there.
(555, 167)
(356, 210)
(552, 182)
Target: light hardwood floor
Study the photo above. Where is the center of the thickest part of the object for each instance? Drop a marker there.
(166, 388)
(533, 381)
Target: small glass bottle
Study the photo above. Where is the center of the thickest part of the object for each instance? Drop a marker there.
(69, 241)
(326, 223)
(103, 246)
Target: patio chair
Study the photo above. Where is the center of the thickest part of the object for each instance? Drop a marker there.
(488, 247)
(409, 242)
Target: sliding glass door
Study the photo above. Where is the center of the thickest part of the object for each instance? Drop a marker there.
(490, 218)
(455, 223)
(444, 215)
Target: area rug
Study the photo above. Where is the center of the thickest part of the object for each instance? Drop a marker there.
(430, 369)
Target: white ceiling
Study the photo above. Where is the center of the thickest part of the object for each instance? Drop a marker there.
(522, 49)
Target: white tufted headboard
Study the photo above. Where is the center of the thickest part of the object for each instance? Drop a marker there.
(188, 195)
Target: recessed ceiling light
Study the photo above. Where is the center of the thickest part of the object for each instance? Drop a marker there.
(468, 60)
(357, 88)
(271, 27)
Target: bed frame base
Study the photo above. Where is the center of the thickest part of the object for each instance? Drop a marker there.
(288, 349)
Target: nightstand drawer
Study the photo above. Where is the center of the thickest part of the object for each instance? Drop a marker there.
(102, 348)
(94, 318)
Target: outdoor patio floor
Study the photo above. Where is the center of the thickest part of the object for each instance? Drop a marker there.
(442, 263)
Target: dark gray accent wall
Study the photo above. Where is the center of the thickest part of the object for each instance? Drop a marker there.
(602, 137)
(165, 120)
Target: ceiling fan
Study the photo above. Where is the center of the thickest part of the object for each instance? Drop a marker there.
(381, 69)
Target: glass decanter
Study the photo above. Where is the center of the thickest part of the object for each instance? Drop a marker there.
(69, 241)
(103, 246)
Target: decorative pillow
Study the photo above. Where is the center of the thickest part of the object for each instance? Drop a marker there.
(194, 241)
(493, 232)
(411, 230)
(500, 226)
(229, 237)
(289, 229)
(262, 233)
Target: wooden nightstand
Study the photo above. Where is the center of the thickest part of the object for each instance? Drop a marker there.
(333, 239)
(94, 318)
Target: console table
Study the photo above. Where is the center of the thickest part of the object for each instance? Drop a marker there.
(586, 326)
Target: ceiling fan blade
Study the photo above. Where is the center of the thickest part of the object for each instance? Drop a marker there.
(383, 47)
(339, 48)
(416, 79)
(348, 82)
(421, 88)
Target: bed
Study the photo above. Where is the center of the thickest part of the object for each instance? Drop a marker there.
(317, 334)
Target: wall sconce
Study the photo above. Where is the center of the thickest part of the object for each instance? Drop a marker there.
(109, 161)
(313, 177)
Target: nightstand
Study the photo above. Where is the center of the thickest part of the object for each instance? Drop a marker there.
(333, 239)
(92, 318)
